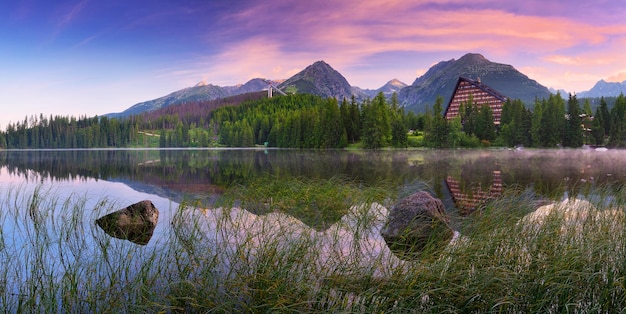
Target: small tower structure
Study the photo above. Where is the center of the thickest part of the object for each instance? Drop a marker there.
(271, 87)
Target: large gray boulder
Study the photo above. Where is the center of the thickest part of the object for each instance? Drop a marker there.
(417, 226)
(134, 223)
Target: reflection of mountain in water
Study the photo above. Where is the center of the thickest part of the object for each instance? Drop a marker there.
(176, 193)
(202, 175)
(357, 233)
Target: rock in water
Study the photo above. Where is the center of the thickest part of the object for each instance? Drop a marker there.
(134, 223)
(417, 225)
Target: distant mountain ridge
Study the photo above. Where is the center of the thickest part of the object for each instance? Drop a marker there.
(440, 80)
(321, 79)
(200, 92)
(604, 89)
(393, 86)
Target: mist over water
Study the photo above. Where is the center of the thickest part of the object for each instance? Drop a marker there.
(182, 174)
(461, 178)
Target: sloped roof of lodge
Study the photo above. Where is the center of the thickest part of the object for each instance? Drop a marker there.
(478, 84)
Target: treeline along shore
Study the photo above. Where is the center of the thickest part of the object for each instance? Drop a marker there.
(308, 121)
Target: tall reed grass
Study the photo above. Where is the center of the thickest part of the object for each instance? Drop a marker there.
(224, 259)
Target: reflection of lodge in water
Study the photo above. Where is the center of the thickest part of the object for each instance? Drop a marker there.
(468, 201)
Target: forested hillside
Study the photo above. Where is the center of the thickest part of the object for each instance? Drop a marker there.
(308, 121)
(70, 132)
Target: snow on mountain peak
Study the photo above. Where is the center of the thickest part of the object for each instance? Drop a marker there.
(202, 83)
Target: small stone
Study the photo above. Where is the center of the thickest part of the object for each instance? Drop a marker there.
(134, 223)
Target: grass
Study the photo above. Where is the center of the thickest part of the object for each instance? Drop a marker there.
(317, 203)
(416, 140)
(55, 259)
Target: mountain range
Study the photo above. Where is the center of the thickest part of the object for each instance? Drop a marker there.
(604, 89)
(321, 79)
(200, 92)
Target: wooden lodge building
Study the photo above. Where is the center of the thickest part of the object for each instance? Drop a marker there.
(481, 94)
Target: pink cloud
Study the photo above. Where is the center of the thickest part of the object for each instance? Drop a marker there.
(377, 26)
(346, 33)
(619, 77)
(559, 59)
(587, 65)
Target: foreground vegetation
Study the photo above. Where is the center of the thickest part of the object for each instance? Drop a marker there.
(55, 259)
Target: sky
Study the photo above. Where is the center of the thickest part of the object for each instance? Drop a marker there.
(91, 57)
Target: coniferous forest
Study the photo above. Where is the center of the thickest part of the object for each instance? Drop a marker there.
(308, 121)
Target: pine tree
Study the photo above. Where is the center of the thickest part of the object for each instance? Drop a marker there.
(383, 117)
(516, 123)
(376, 122)
(597, 129)
(552, 121)
(332, 133)
(355, 121)
(162, 138)
(246, 135)
(344, 109)
(437, 135)
(468, 113)
(604, 116)
(587, 108)
(573, 135)
(535, 129)
(399, 132)
(485, 128)
(617, 134)
(371, 132)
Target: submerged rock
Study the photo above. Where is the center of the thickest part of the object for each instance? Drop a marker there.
(417, 224)
(134, 223)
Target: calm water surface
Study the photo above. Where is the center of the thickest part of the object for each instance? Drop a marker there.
(461, 178)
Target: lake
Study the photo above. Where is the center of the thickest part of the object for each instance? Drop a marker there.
(49, 201)
(462, 179)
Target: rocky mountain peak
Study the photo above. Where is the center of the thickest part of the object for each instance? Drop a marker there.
(397, 82)
(319, 79)
(391, 87)
(473, 58)
(441, 79)
(319, 70)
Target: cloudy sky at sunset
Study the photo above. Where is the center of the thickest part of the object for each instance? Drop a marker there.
(88, 57)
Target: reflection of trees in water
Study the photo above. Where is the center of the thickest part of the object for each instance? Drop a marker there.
(60, 165)
(466, 175)
(572, 171)
(240, 166)
(209, 170)
(549, 172)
